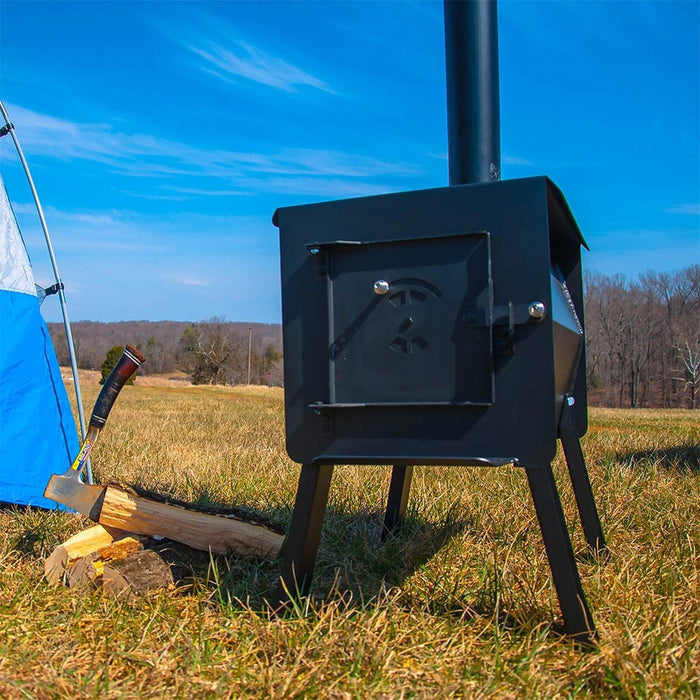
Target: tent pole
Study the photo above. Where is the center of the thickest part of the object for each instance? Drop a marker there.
(9, 128)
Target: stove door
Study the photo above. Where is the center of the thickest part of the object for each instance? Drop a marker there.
(410, 322)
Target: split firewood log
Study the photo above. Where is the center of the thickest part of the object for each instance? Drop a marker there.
(123, 564)
(113, 560)
(79, 545)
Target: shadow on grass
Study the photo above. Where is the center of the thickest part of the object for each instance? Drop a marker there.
(357, 570)
(353, 563)
(684, 458)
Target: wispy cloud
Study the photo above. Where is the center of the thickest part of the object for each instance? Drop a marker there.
(242, 60)
(508, 159)
(325, 187)
(211, 172)
(183, 191)
(85, 231)
(217, 48)
(692, 209)
(308, 161)
(190, 282)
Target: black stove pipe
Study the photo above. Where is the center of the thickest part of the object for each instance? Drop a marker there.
(473, 109)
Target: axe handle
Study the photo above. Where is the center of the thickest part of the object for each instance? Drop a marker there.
(85, 448)
(129, 362)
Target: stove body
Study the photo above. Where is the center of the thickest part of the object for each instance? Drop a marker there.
(438, 326)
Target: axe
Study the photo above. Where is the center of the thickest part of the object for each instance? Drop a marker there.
(60, 484)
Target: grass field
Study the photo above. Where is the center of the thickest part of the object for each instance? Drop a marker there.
(461, 604)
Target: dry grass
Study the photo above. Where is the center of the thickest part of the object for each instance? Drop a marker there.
(460, 605)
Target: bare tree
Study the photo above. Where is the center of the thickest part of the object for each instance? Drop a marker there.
(690, 357)
(211, 354)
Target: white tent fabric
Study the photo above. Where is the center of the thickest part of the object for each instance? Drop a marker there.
(15, 270)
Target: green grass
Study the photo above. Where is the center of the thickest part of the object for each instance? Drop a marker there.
(461, 604)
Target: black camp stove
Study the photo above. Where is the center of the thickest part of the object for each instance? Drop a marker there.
(442, 326)
(439, 326)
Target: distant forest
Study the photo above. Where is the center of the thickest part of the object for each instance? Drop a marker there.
(642, 343)
(210, 352)
(643, 339)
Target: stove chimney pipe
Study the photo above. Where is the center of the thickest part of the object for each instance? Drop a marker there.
(473, 110)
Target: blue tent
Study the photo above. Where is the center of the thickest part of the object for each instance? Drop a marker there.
(38, 435)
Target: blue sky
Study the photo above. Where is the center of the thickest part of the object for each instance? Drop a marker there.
(163, 135)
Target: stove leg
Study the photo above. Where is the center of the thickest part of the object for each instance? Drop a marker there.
(580, 481)
(399, 489)
(578, 621)
(304, 535)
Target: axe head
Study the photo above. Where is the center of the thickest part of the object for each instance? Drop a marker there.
(70, 491)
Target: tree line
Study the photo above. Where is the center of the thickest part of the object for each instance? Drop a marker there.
(210, 352)
(642, 343)
(643, 339)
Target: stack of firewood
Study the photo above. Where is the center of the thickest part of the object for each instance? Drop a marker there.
(141, 543)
